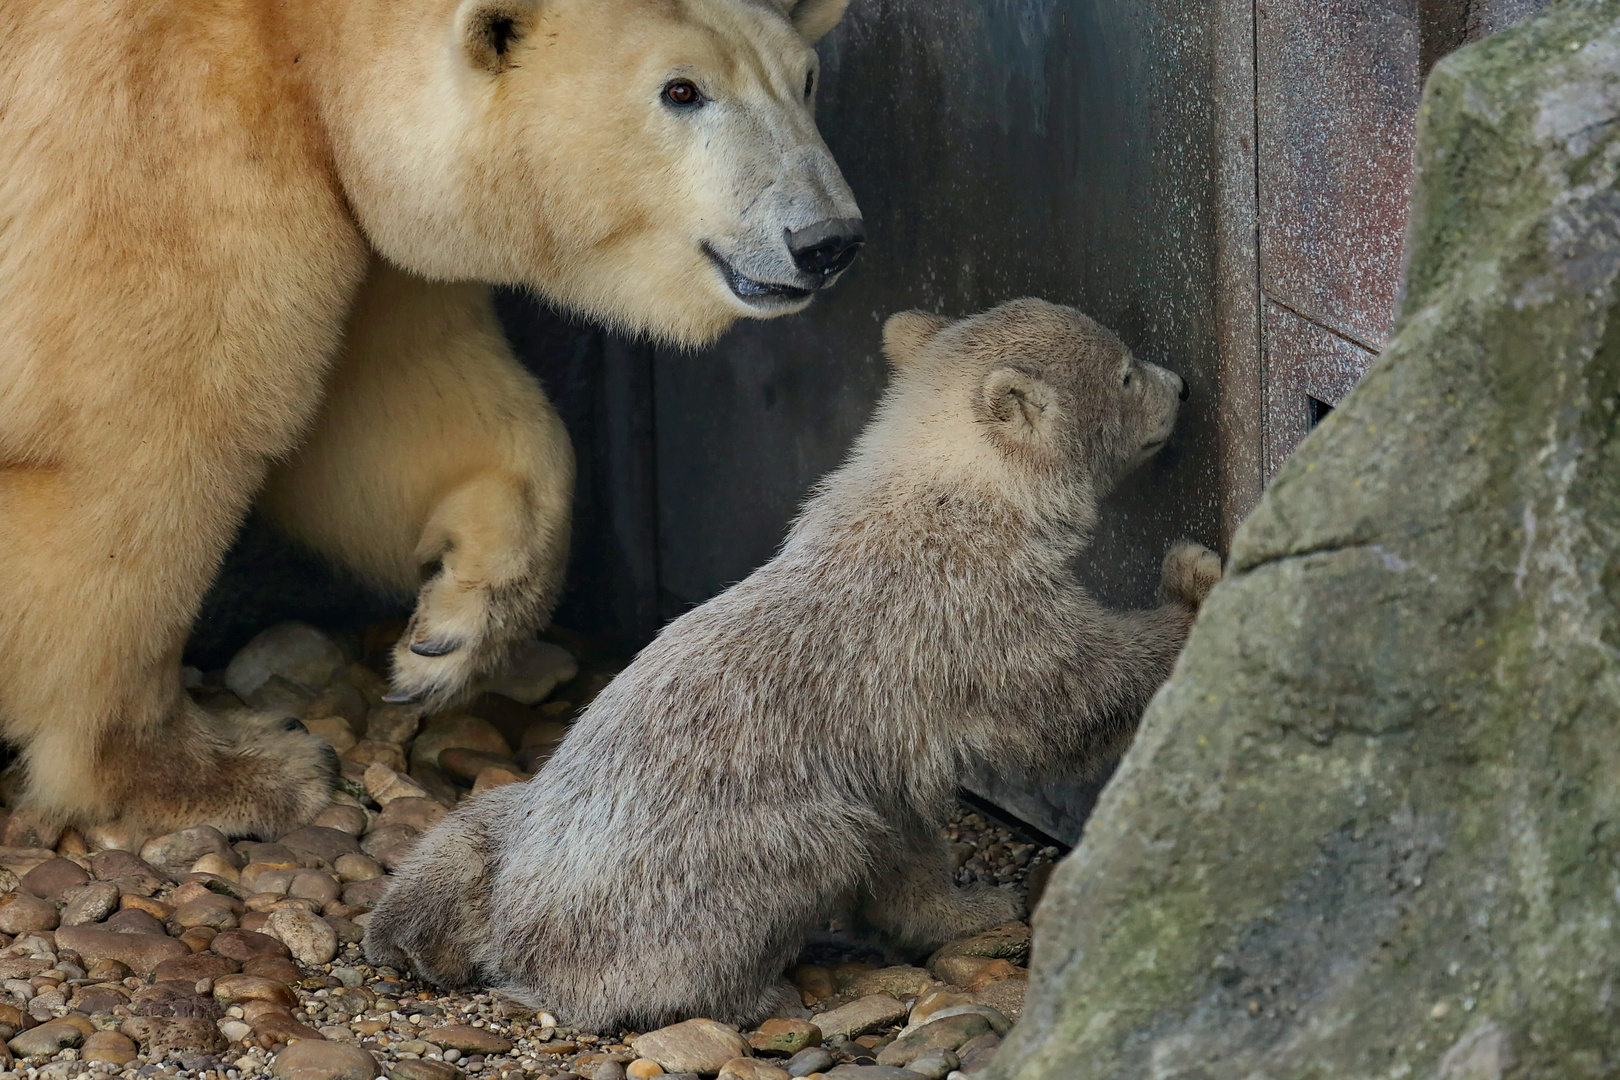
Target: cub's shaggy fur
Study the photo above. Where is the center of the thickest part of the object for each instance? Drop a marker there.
(241, 243)
(789, 748)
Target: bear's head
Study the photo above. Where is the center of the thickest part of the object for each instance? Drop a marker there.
(1027, 391)
(651, 163)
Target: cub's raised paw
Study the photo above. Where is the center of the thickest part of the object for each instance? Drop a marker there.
(1190, 572)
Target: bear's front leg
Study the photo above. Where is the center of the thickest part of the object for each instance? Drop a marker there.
(100, 577)
(437, 466)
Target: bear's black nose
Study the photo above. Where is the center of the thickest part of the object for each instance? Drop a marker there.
(1186, 391)
(825, 248)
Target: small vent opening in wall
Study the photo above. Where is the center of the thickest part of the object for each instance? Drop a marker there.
(1319, 410)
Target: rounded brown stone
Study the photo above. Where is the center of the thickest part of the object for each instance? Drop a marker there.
(111, 1047)
(53, 877)
(365, 893)
(279, 968)
(467, 764)
(199, 938)
(235, 989)
(210, 910)
(419, 814)
(134, 920)
(316, 1059)
(243, 945)
(141, 952)
(110, 971)
(357, 868)
(203, 965)
(467, 1039)
(376, 752)
(325, 844)
(342, 817)
(316, 885)
(157, 909)
(22, 913)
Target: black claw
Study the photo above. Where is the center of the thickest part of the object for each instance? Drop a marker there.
(400, 697)
(435, 648)
(334, 764)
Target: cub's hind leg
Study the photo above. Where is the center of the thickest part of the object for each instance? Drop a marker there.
(435, 917)
(437, 467)
(914, 904)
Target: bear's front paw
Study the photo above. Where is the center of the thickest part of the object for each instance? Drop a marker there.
(1190, 572)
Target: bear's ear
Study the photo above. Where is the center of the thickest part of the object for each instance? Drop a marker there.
(813, 18)
(489, 28)
(1022, 406)
(906, 332)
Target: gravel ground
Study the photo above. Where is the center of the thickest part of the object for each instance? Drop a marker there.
(203, 958)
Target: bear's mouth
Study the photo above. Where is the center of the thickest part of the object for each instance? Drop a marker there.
(750, 291)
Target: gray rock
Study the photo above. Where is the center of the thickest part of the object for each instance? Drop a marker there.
(395, 724)
(297, 652)
(942, 1033)
(1368, 827)
(309, 938)
(532, 671)
(872, 1072)
(89, 903)
(325, 844)
(860, 1017)
(277, 695)
(42, 1042)
(935, 1065)
(805, 1062)
(174, 853)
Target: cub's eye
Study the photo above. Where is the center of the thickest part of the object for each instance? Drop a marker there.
(1127, 378)
(683, 94)
(809, 82)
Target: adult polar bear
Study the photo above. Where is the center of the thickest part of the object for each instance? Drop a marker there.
(195, 214)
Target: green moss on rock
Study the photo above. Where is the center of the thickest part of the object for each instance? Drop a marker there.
(1371, 826)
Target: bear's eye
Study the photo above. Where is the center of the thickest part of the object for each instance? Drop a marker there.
(809, 82)
(683, 93)
(1127, 378)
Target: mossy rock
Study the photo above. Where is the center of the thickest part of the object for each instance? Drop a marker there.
(1371, 826)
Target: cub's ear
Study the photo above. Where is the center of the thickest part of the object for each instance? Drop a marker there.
(813, 18)
(906, 332)
(1021, 405)
(488, 30)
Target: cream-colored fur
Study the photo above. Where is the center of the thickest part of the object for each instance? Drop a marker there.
(435, 456)
(200, 206)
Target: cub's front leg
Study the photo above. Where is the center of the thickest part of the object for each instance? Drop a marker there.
(437, 467)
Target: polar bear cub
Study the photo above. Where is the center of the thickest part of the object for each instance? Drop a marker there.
(788, 750)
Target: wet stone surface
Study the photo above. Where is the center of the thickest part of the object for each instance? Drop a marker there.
(199, 957)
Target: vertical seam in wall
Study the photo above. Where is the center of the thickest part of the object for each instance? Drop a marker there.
(654, 497)
(1261, 366)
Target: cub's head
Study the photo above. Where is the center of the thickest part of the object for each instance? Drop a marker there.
(652, 163)
(1036, 385)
